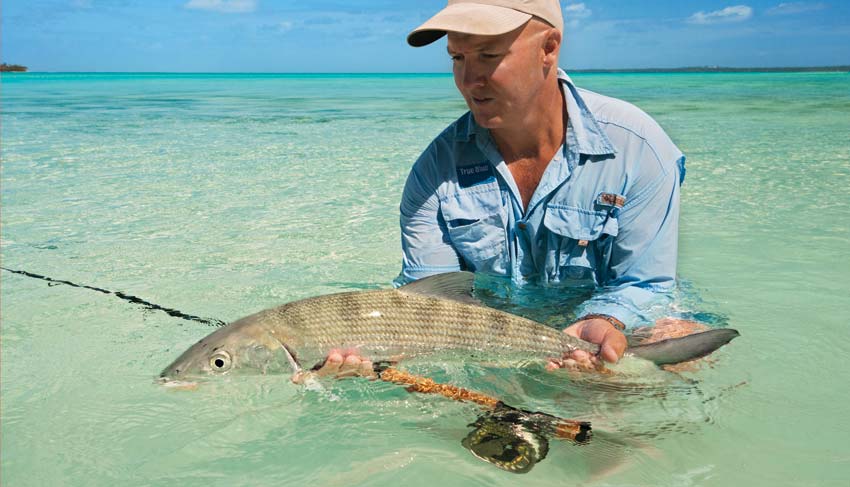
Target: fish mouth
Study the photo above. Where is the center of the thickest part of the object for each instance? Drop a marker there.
(177, 384)
(181, 367)
(170, 373)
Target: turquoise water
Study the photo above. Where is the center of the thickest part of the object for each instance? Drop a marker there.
(220, 195)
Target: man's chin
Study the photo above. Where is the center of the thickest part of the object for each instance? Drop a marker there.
(487, 121)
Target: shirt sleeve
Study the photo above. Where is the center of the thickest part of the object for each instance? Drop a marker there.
(425, 244)
(642, 269)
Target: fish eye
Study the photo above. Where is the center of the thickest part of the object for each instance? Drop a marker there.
(220, 361)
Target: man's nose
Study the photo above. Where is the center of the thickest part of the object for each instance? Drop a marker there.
(473, 74)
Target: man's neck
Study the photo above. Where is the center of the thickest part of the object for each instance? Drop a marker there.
(540, 132)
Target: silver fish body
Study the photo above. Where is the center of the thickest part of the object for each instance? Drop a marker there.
(431, 315)
(390, 323)
(382, 325)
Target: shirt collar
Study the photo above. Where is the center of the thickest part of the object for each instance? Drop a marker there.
(588, 135)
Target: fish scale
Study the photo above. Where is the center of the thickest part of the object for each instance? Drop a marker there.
(433, 314)
(395, 322)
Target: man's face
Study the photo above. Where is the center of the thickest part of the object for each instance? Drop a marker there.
(499, 76)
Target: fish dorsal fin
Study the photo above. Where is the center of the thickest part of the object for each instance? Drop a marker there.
(456, 286)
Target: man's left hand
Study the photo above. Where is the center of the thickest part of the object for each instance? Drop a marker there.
(612, 345)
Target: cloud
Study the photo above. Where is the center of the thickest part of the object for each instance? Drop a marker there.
(377, 26)
(796, 8)
(737, 13)
(224, 6)
(577, 11)
(574, 12)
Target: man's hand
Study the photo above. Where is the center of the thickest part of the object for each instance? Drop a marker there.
(339, 364)
(612, 344)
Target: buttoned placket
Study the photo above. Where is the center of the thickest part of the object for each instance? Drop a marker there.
(521, 232)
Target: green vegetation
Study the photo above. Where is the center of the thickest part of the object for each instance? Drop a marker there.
(12, 67)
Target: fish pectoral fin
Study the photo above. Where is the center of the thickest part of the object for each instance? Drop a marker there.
(456, 286)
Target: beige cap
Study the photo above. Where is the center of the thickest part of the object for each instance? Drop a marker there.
(485, 17)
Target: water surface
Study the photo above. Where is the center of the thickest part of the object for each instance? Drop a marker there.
(220, 195)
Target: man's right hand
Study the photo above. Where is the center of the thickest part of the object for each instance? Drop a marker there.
(612, 343)
(346, 363)
(341, 363)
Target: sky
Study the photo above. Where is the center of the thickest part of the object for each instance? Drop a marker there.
(369, 35)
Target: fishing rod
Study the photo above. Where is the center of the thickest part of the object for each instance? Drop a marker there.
(510, 438)
(124, 296)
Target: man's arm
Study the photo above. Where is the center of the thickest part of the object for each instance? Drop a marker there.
(644, 253)
(642, 267)
(425, 244)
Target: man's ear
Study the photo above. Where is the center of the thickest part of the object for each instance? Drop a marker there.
(551, 48)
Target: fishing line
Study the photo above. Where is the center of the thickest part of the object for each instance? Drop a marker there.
(126, 297)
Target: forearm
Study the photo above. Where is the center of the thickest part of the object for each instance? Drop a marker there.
(633, 306)
(642, 269)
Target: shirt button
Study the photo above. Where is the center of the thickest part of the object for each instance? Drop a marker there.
(520, 225)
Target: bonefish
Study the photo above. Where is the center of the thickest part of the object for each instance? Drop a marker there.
(433, 314)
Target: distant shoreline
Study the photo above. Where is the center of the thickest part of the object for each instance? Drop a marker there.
(12, 68)
(693, 69)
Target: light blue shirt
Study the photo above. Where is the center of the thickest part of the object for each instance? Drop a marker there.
(605, 214)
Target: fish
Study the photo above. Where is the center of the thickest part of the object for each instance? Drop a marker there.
(433, 314)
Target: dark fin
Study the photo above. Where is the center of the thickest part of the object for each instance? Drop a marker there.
(456, 286)
(691, 347)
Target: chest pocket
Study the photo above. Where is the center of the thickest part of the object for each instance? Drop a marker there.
(578, 244)
(477, 228)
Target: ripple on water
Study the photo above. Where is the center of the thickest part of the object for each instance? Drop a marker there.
(221, 196)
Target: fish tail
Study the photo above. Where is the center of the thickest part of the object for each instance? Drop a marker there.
(684, 349)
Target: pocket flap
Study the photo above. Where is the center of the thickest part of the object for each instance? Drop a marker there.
(578, 223)
(471, 206)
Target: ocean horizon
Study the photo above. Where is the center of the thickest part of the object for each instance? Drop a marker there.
(689, 69)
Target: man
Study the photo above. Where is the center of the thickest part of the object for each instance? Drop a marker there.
(540, 181)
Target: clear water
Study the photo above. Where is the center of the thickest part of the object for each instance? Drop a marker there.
(220, 195)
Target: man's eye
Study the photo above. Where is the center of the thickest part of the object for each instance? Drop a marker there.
(456, 58)
(490, 55)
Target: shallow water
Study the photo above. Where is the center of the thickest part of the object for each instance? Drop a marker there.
(220, 195)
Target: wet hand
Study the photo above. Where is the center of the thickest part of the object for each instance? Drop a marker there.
(339, 364)
(612, 344)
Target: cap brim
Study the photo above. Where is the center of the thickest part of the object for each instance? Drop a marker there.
(468, 18)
